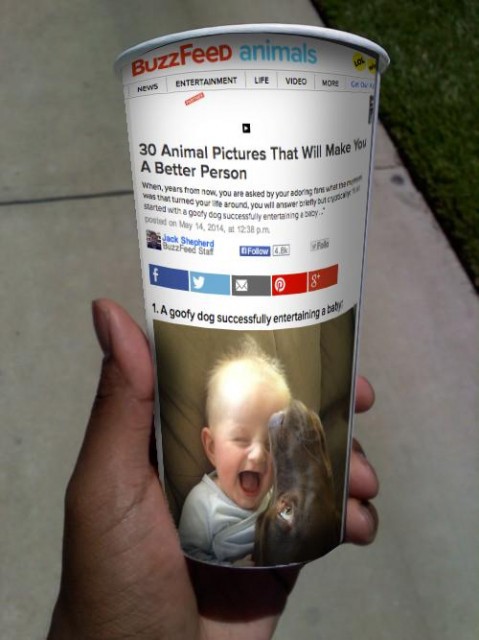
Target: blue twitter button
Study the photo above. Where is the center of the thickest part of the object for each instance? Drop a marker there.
(216, 283)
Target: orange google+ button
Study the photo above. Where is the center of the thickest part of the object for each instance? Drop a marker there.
(323, 278)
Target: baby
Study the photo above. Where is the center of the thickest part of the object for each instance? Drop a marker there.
(219, 514)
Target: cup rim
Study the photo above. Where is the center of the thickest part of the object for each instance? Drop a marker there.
(321, 33)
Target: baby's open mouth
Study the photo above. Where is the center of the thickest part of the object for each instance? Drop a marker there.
(250, 482)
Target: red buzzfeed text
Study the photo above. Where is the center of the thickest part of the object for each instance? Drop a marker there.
(180, 58)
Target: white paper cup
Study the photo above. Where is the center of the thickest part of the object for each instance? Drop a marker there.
(251, 151)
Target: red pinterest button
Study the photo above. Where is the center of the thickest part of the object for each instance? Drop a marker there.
(323, 278)
(290, 283)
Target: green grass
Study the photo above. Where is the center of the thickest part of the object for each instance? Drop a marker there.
(429, 101)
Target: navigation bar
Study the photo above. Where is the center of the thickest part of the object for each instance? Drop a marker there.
(261, 79)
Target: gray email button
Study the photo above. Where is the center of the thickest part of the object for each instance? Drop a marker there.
(251, 285)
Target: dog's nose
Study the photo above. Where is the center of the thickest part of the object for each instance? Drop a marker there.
(276, 420)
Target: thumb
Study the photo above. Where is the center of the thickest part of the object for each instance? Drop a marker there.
(119, 429)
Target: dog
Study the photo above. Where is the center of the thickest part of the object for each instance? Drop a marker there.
(301, 521)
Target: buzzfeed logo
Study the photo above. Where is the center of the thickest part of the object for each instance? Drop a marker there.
(179, 58)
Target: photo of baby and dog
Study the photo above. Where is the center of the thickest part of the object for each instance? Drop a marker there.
(254, 429)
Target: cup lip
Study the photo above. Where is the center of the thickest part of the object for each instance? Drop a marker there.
(321, 33)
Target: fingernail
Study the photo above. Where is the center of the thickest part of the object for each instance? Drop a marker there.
(369, 519)
(101, 322)
(369, 467)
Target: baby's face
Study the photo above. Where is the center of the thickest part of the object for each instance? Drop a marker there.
(239, 446)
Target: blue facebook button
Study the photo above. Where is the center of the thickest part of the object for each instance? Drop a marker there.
(217, 283)
(254, 251)
(169, 278)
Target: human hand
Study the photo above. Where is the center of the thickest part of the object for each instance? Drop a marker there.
(124, 574)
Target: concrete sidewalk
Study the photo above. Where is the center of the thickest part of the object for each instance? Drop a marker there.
(65, 172)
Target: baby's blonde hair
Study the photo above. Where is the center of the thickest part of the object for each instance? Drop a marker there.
(248, 363)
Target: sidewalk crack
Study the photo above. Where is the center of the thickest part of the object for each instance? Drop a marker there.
(79, 196)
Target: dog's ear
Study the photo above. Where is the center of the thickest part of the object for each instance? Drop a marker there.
(320, 429)
(324, 446)
(208, 444)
